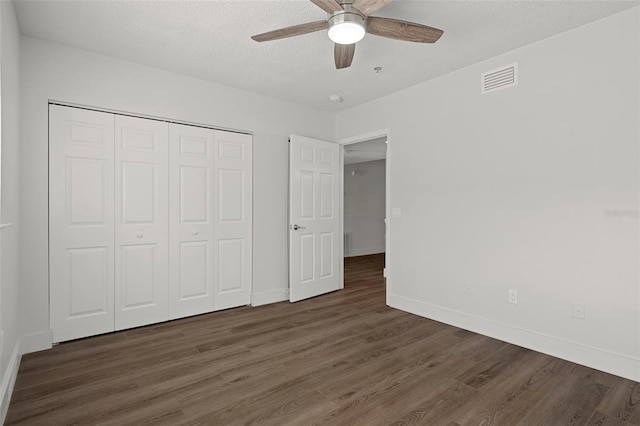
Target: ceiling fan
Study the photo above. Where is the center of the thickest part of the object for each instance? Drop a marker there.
(348, 22)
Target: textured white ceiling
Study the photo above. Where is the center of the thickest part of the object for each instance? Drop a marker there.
(211, 40)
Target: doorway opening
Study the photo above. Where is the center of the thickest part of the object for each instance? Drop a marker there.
(364, 208)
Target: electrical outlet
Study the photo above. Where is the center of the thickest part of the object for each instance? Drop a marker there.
(468, 288)
(513, 296)
(578, 310)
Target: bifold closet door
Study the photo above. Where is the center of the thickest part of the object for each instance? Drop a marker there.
(141, 222)
(148, 221)
(232, 220)
(81, 222)
(191, 159)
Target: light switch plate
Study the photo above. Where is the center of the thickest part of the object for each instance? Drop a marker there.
(396, 212)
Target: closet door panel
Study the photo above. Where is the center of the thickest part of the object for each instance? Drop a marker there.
(141, 240)
(194, 280)
(149, 221)
(81, 222)
(233, 220)
(191, 220)
(137, 271)
(231, 262)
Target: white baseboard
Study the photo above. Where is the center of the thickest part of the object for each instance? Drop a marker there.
(271, 296)
(365, 251)
(9, 380)
(609, 362)
(35, 342)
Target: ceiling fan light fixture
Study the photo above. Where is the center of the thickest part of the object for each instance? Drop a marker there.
(346, 28)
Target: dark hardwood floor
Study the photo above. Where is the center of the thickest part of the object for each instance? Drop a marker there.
(339, 359)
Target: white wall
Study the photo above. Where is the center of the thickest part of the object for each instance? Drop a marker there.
(51, 71)
(507, 190)
(9, 85)
(364, 207)
(512, 189)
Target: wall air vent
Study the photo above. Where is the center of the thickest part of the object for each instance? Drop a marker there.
(500, 78)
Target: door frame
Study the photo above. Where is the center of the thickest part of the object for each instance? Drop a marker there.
(387, 246)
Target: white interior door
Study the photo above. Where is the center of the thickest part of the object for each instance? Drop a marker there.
(232, 220)
(190, 220)
(141, 214)
(314, 240)
(81, 222)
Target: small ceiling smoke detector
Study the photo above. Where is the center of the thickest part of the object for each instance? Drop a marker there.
(335, 99)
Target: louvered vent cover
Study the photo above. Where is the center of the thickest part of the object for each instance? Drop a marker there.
(499, 79)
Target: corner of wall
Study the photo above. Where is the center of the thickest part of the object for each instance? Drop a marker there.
(271, 296)
(9, 381)
(638, 17)
(35, 342)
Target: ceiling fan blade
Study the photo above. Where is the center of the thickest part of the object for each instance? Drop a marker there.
(370, 6)
(328, 6)
(343, 55)
(291, 31)
(402, 30)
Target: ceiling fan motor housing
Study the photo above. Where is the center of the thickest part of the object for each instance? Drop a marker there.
(346, 26)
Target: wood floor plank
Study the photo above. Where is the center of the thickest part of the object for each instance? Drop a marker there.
(344, 358)
(508, 400)
(601, 419)
(573, 400)
(436, 409)
(623, 402)
(492, 368)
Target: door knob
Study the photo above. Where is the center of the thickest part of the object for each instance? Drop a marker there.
(139, 234)
(194, 232)
(296, 227)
